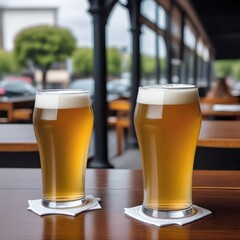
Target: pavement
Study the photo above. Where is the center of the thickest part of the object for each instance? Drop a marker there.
(129, 159)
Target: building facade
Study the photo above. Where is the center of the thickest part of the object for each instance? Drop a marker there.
(13, 20)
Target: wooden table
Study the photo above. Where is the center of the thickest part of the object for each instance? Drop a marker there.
(20, 137)
(206, 108)
(217, 191)
(17, 137)
(225, 134)
(214, 110)
(213, 133)
(16, 108)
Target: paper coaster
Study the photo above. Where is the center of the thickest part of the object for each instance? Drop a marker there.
(137, 213)
(37, 207)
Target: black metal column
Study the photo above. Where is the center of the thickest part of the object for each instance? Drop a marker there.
(195, 66)
(169, 43)
(99, 12)
(158, 68)
(210, 70)
(182, 48)
(134, 11)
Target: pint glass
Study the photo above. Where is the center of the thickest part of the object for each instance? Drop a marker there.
(63, 121)
(167, 121)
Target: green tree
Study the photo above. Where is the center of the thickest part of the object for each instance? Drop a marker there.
(236, 70)
(114, 61)
(41, 46)
(148, 64)
(83, 61)
(8, 64)
(223, 68)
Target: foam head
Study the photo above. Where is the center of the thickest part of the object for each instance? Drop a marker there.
(167, 94)
(62, 99)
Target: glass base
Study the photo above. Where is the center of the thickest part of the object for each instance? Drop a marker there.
(170, 214)
(62, 205)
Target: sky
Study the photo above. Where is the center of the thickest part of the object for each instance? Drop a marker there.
(74, 15)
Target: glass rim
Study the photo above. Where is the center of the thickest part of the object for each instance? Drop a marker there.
(174, 86)
(62, 91)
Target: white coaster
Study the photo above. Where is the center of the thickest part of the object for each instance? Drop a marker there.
(37, 207)
(137, 213)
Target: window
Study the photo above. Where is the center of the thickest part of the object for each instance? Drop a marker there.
(148, 55)
(162, 18)
(162, 50)
(148, 10)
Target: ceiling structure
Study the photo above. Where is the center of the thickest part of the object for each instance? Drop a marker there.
(221, 21)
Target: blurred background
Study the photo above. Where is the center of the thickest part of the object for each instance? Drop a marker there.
(16, 16)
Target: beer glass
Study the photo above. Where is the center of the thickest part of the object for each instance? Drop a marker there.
(167, 121)
(63, 122)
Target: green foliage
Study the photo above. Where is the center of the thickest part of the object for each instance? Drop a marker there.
(129, 64)
(148, 65)
(223, 68)
(228, 68)
(83, 61)
(236, 70)
(8, 64)
(114, 60)
(163, 66)
(44, 45)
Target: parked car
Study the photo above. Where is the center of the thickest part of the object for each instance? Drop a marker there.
(86, 84)
(14, 88)
(121, 87)
(117, 88)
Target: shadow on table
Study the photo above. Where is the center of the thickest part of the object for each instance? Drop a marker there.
(217, 158)
(205, 158)
(19, 159)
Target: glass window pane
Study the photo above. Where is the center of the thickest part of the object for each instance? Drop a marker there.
(148, 10)
(162, 59)
(118, 41)
(188, 70)
(148, 55)
(205, 54)
(162, 18)
(199, 48)
(189, 38)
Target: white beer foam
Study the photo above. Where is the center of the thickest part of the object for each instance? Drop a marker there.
(58, 99)
(168, 94)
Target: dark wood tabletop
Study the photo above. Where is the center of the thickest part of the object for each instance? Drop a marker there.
(220, 134)
(218, 191)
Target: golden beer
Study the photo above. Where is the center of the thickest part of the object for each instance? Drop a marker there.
(63, 122)
(167, 121)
